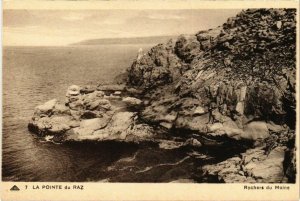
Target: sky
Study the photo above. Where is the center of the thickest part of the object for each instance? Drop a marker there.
(63, 27)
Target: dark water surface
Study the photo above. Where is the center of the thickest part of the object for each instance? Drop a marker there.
(34, 75)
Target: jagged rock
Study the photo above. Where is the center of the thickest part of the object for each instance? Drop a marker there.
(157, 67)
(254, 166)
(207, 39)
(187, 48)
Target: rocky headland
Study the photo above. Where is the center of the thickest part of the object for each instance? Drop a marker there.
(229, 90)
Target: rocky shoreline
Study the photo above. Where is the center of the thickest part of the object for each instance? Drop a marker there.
(88, 114)
(231, 87)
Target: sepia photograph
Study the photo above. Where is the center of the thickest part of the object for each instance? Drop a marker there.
(149, 95)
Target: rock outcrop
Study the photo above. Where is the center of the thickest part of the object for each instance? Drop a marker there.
(88, 115)
(236, 81)
(241, 72)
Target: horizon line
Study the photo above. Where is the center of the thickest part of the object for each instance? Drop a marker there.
(78, 42)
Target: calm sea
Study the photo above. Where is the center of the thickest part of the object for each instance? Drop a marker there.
(33, 75)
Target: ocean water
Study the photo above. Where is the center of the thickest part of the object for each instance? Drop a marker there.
(34, 75)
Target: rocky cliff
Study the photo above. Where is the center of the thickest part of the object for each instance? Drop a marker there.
(237, 80)
(232, 87)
